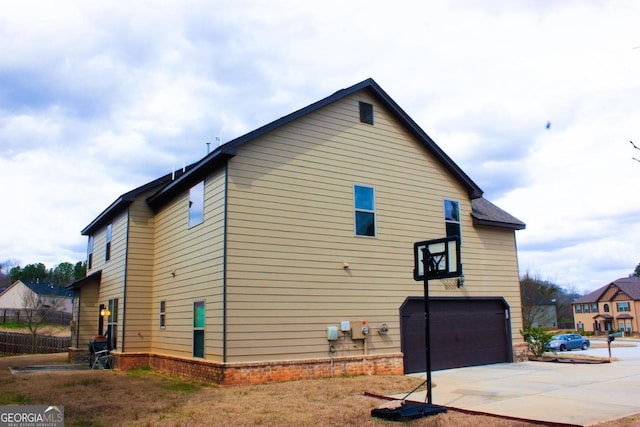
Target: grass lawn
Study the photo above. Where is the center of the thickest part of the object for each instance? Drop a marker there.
(144, 397)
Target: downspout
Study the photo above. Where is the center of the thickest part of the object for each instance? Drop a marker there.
(224, 265)
(124, 290)
(77, 331)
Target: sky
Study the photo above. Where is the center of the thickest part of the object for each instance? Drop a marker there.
(536, 100)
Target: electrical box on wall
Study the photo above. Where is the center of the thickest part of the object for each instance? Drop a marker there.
(360, 330)
(332, 333)
(345, 326)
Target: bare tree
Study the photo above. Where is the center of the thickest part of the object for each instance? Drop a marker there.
(38, 312)
(535, 294)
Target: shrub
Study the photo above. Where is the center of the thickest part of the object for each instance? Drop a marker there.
(537, 339)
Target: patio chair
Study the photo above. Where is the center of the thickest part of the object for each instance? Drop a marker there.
(99, 353)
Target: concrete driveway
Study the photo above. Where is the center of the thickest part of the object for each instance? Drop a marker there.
(578, 394)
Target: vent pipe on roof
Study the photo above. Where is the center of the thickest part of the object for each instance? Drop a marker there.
(208, 147)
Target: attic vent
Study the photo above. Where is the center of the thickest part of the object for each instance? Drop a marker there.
(366, 113)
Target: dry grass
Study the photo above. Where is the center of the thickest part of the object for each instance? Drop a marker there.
(147, 398)
(48, 329)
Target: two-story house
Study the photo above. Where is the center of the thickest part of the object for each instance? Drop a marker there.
(613, 307)
(274, 255)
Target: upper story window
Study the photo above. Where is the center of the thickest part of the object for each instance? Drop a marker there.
(107, 249)
(585, 308)
(452, 218)
(366, 113)
(594, 308)
(365, 210)
(606, 308)
(90, 252)
(623, 306)
(578, 308)
(196, 204)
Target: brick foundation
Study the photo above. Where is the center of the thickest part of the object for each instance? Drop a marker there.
(520, 352)
(262, 372)
(78, 355)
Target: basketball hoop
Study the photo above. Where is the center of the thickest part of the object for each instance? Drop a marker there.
(451, 283)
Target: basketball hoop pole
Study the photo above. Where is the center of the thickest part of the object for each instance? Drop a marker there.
(424, 269)
(426, 259)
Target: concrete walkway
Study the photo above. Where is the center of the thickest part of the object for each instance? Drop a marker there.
(578, 394)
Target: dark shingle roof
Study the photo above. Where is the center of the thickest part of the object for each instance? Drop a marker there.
(126, 199)
(628, 285)
(486, 213)
(48, 289)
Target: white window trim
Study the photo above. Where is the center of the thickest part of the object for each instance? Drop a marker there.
(444, 216)
(356, 210)
(191, 223)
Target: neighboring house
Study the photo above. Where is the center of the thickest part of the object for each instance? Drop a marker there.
(47, 294)
(234, 269)
(613, 307)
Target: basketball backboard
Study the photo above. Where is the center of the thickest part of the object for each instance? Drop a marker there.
(442, 256)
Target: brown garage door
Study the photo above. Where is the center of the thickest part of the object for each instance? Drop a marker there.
(464, 332)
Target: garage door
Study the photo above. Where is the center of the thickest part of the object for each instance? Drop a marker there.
(464, 332)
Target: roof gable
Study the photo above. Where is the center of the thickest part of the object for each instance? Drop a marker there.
(219, 156)
(628, 285)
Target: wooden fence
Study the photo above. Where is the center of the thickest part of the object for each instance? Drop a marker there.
(13, 315)
(15, 343)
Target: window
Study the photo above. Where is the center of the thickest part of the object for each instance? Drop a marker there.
(107, 249)
(112, 322)
(594, 308)
(585, 308)
(196, 204)
(198, 329)
(623, 306)
(578, 308)
(163, 312)
(364, 203)
(606, 308)
(90, 253)
(452, 218)
(366, 113)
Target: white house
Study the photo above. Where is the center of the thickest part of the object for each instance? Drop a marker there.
(47, 294)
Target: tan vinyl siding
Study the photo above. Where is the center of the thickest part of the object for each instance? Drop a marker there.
(291, 228)
(113, 271)
(139, 292)
(87, 315)
(196, 256)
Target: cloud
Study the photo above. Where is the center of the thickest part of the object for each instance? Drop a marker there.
(107, 97)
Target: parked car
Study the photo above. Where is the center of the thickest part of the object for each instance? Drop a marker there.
(568, 342)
